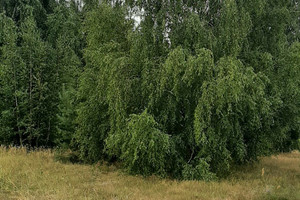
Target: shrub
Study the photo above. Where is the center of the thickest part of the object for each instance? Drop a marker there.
(200, 172)
(145, 148)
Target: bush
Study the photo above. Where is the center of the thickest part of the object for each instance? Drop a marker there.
(200, 172)
(145, 148)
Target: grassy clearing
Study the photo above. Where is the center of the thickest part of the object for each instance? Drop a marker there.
(36, 175)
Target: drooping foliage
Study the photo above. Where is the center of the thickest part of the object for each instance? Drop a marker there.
(201, 74)
(103, 80)
(232, 116)
(176, 88)
(145, 148)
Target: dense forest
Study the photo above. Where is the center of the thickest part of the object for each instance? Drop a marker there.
(179, 88)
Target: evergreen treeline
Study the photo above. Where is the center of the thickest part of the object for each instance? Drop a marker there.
(191, 90)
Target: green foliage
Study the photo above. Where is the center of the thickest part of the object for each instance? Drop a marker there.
(66, 117)
(288, 120)
(64, 26)
(40, 79)
(200, 172)
(64, 34)
(270, 21)
(19, 10)
(29, 76)
(8, 61)
(180, 81)
(233, 115)
(105, 83)
(32, 74)
(191, 90)
(220, 105)
(231, 30)
(175, 99)
(145, 148)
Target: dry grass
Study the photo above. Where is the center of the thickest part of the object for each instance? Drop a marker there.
(36, 175)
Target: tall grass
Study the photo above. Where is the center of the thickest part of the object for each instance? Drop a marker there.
(35, 175)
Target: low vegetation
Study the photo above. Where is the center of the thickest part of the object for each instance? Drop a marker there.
(36, 175)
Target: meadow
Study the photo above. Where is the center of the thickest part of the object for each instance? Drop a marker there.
(38, 175)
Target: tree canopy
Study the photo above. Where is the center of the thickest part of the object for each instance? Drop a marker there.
(188, 91)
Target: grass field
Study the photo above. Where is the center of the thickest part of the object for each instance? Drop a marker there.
(36, 175)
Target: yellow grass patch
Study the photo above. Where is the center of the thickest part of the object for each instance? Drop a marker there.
(36, 175)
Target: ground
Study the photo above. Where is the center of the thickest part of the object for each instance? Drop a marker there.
(36, 175)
